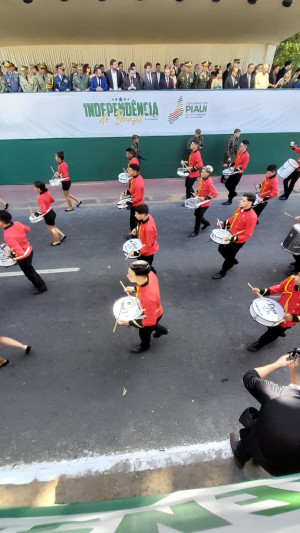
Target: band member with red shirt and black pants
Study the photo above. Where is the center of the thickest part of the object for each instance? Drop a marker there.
(21, 250)
(193, 165)
(147, 291)
(290, 301)
(206, 191)
(241, 226)
(290, 181)
(45, 200)
(131, 157)
(146, 232)
(240, 164)
(268, 189)
(136, 191)
(63, 172)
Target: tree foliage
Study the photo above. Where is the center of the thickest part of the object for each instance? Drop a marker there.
(288, 50)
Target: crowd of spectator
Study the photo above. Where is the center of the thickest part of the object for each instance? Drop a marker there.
(38, 78)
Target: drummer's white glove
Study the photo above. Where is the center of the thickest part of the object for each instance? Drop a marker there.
(292, 144)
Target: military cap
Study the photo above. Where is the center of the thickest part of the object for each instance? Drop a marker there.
(60, 65)
(79, 65)
(237, 60)
(188, 64)
(237, 130)
(217, 67)
(204, 63)
(198, 131)
(74, 65)
(7, 63)
(32, 66)
(135, 136)
(41, 65)
(23, 67)
(208, 168)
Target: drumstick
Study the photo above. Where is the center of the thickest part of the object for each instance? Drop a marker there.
(289, 215)
(31, 212)
(116, 322)
(126, 291)
(258, 294)
(238, 232)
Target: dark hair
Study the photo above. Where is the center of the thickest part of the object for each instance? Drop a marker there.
(135, 167)
(228, 65)
(195, 140)
(96, 68)
(250, 196)
(181, 65)
(132, 65)
(101, 65)
(287, 63)
(147, 64)
(140, 268)
(131, 69)
(174, 60)
(142, 209)
(275, 66)
(157, 65)
(85, 67)
(130, 150)
(217, 71)
(272, 168)
(61, 155)
(40, 185)
(120, 63)
(250, 64)
(112, 61)
(5, 216)
(245, 141)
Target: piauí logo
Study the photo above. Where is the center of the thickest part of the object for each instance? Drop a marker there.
(177, 112)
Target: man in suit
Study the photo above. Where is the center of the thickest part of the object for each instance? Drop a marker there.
(226, 72)
(149, 79)
(11, 78)
(130, 82)
(61, 83)
(283, 70)
(176, 66)
(98, 82)
(158, 73)
(121, 69)
(73, 73)
(136, 74)
(247, 80)
(114, 77)
(231, 80)
(166, 82)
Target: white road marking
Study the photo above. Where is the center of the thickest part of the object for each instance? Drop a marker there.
(46, 271)
(118, 462)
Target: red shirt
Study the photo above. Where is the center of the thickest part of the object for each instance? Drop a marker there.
(195, 161)
(241, 160)
(297, 150)
(134, 161)
(149, 298)
(63, 170)
(269, 187)
(45, 200)
(290, 299)
(244, 222)
(147, 234)
(136, 190)
(15, 238)
(207, 188)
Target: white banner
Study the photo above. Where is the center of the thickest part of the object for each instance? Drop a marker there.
(147, 113)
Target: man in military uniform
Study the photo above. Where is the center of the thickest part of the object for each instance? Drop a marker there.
(11, 78)
(201, 82)
(136, 148)
(231, 149)
(81, 82)
(185, 79)
(61, 82)
(197, 136)
(2, 83)
(73, 73)
(44, 79)
(28, 82)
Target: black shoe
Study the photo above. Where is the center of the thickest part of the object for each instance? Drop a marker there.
(206, 225)
(227, 203)
(235, 445)
(254, 347)
(282, 197)
(27, 349)
(64, 237)
(218, 275)
(5, 363)
(158, 334)
(257, 223)
(39, 291)
(138, 349)
(194, 234)
(6, 206)
(235, 262)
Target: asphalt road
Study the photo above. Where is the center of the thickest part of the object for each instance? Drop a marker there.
(65, 400)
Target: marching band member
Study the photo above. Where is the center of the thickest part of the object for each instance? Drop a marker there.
(290, 301)
(136, 191)
(193, 165)
(241, 226)
(146, 232)
(206, 191)
(8, 341)
(45, 200)
(296, 263)
(240, 163)
(290, 181)
(63, 172)
(16, 240)
(131, 157)
(268, 189)
(147, 291)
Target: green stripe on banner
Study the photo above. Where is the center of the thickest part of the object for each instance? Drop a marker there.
(101, 159)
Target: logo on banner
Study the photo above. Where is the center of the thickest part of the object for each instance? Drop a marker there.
(121, 110)
(178, 111)
(195, 109)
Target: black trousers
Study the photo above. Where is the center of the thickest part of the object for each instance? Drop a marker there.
(146, 332)
(199, 214)
(231, 184)
(288, 183)
(133, 221)
(259, 208)
(297, 261)
(148, 258)
(189, 182)
(26, 267)
(271, 335)
(229, 251)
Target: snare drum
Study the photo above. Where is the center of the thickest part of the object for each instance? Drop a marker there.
(127, 308)
(132, 245)
(183, 172)
(6, 261)
(123, 177)
(34, 219)
(267, 312)
(227, 172)
(218, 235)
(287, 168)
(291, 243)
(256, 201)
(55, 181)
(193, 203)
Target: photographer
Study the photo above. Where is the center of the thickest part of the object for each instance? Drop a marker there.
(271, 436)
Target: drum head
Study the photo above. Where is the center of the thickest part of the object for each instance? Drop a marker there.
(217, 235)
(127, 308)
(268, 309)
(227, 172)
(192, 203)
(182, 172)
(123, 177)
(132, 245)
(54, 182)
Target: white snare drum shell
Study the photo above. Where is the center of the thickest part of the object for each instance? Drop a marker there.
(217, 235)
(182, 172)
(291, 243)
(132, 245)
(287, 168)
(266, 312)
(127, 308)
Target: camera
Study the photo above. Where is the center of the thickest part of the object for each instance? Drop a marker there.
(293, 354)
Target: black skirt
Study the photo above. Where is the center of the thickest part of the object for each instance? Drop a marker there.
(66, 185)
(50, 218)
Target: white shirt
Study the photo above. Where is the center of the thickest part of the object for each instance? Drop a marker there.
(114, 79)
